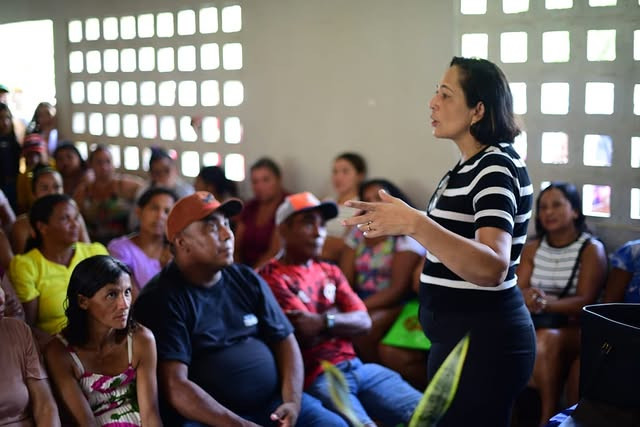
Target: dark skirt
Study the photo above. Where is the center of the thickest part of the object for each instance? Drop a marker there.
(499, 362)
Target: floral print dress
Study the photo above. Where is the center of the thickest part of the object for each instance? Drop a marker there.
(113, 399)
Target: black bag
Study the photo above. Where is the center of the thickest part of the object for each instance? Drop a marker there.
(609, 367)
(610, 354)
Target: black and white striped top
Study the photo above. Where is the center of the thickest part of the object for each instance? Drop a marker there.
(552, 266)
(491, 189)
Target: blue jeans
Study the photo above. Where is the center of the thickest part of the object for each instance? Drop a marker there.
(376, 392)
(312, 414)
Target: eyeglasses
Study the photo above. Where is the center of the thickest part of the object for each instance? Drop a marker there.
(436, 195)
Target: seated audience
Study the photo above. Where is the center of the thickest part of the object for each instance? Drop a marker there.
(35, 154)
(562, 270)
(103, 364)
(45, 181)
(623, 284)
(256, 241)
(41, 275)
(213, 180)
(105, 202)
(7, 216)
(44, 123)
(9, 156)
(327, 314)
(145, 252)
(226, 352)
(25, 395)
(72, 167)
(349, 170)
(380, 271)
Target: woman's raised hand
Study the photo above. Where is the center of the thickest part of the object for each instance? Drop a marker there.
(390, 217)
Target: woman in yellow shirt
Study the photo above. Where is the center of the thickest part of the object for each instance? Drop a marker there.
(41, 275)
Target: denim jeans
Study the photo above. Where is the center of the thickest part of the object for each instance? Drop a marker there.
(312, 414)
(376, 393)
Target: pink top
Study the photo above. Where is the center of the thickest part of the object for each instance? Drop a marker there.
(113, 399)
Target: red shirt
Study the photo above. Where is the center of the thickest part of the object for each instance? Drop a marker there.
(317, 288)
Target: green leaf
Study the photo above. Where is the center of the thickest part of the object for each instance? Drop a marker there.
(339, 392)
(442, 388)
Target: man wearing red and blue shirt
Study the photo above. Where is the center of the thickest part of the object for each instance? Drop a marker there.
(326, 314)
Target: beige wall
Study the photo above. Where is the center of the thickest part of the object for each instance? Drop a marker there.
(321, 77)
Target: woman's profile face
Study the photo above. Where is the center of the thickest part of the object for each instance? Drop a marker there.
(48, 183)
(451, 118)
(63, 225)
(110, 304)
(555, 212)
(265, 184)
(345, 178)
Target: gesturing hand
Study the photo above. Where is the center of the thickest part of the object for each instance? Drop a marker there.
(390, 217)
(286, 414)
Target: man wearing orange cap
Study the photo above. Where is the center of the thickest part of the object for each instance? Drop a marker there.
(34, 151)
(227, 354)
(326, 314)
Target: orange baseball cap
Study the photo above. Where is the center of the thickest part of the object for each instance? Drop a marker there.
(195, 207)
(303, 202)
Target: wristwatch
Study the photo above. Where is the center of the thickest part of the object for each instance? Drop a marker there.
(329, 320)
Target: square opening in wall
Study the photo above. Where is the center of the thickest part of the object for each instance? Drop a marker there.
(234, 167)
(601, 45)
(596, 200)
(555, 148)
(556, 46)
(190, 163)
(513, 47)
(473, 7)
(475, 45)
(598, 150)
(110, 28)
(231, 19)
(598, 98)
(554, 98)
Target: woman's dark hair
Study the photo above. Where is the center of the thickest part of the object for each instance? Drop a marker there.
(146, 197)
(69, 146)
(34, 124)
(159, 153)
(39, 171)
(88, 277)
(41, 211)
(98, 148)
(570, 193)
(265, 162)
(5, 107)
(482, 81)
(356, 160)
(388, 186)
(215, 176)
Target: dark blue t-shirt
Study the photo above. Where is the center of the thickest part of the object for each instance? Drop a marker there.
(222, 333)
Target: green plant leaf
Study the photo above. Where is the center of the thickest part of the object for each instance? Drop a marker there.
(339, 392)
(442, 388)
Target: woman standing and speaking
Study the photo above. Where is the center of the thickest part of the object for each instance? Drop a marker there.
(474, 230)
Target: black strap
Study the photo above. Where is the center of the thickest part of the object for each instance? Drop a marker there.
(575, 269)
